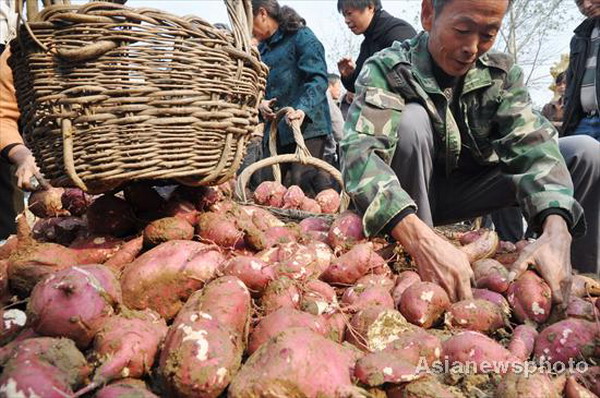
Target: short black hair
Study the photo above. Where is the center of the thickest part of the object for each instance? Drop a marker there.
(332, 78)
(357, 4)
(438, 5)
(560, 78)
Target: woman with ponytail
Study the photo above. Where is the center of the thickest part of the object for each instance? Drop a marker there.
(298, 79)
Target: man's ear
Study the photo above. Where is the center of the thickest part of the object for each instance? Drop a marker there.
(427, 14)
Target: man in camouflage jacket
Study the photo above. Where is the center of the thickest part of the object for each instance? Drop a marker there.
(443, 130)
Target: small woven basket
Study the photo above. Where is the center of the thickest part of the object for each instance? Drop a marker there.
(111, 94)
(303, 156)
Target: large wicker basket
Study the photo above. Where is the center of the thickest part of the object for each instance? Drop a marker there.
(110, 94)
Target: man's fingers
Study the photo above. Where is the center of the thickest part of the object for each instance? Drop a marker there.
(44, 184)
(519, 266)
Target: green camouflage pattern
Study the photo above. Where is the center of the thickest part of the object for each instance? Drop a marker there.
(500, 124)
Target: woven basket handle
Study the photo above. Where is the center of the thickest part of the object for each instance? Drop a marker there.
(302, 155)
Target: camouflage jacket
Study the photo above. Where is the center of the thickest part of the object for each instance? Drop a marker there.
(500, 124)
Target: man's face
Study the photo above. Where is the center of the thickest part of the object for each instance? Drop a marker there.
(463, 31)
(358, 20)
(335, 90)
(589, 8)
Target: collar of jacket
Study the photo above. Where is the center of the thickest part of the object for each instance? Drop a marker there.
(378, 25)
(585, 28)
(478, 76)
(271, 41)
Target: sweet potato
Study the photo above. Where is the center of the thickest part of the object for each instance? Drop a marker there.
(346, 230)
(126, 388)
(199, 358)
(536, 385)
(530, 298)
(126, 346)
(111, 215)
(74, 303)
(315, 228)
(281, 320)
(351, 266)
(423, 303)
(575, 390)
(306, 262)
(166, 229)
(183, 209)
(282, 292)
(590, 379)
(61, 230)
(476, 350)
(494, 298)
(36, 378)
(255, 273)
(329, 201)
(415, 346)
(293, 197)
(8, 247)
(403, 281)
(47, 203)
(94, 249)
(490, 274)
(75, 201)
(522, 342)
(475, 314)
(219, 229)
(292, 364)
(381, 367)
(125, 255)
(382, 282)
(373, 328)
(164, 277)
(567, 339)
(262, 218)
(12, 323)
(483, 247)
(371, 296)
(270, 193)
(582, 309)
(310, 205)
(318, 298)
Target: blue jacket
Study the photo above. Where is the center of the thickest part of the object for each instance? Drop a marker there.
(297, 78)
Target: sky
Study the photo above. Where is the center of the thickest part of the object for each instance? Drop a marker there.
(322, 17)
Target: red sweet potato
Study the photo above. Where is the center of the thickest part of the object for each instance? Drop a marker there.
(47, 203)
(126, 388)
(381, 367)
(329, 201)
(490, 274)
(111, 215)
(75, 201)
(584, 286)
(582, 309)
(36, 377)
(483, 247)
(183, 209)
(74, 303)
(522, 342)
(293, 197)
(282, 292)
(475, 314)
(403, 281)
(494, 298)
(164, 277)
(305, 262)
(318, 298)
(590, 379)
(346, 230)
(219, 229)
(270, 193)
(423, 303)
(315, 228)
(12, 323)
(575, 390)
(369, 297)
(567, 339)
(351, 266)
(476, 350)
(310, 205)
(255, 273)
(281, 320)
(262, 218)
(95, 249)
(166, 229)
(292, 365)
(61, 230)
(530, 298)
(125, 255)
(373, 328)
(126, 346)
(518, 385)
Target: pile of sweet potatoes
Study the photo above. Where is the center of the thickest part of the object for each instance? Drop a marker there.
(182, 292)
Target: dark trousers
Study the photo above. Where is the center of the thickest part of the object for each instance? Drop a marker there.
(464, 195)
(11, 200)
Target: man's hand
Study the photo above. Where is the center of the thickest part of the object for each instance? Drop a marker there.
(550, 255)
(438, 260)
(295, 114)
(266, 108)
(26, 168)
(346, 67)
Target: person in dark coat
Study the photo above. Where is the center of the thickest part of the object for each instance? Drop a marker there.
(366, 17)
(582, 97)
(298, 79)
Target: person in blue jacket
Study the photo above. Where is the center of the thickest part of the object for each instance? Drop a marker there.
(298, 79)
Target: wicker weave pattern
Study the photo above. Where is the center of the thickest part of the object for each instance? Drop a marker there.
(122, 94)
